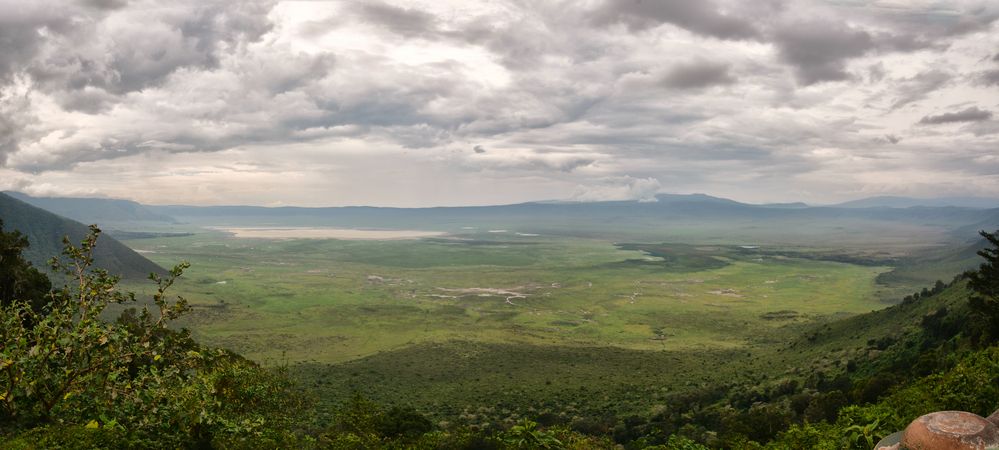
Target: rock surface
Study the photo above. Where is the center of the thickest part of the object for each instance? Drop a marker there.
(951, 430)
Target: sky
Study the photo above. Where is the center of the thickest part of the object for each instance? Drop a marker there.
(442, 102)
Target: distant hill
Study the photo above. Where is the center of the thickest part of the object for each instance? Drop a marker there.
(937, 264)
(988, 223)
(109, 213)
(45, 231)
(786, 205)
(673, 218)
(696, 207)
(908, 202)
(693, 198)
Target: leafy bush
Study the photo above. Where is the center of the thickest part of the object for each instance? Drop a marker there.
(526, 434)
(71, 377)
(71, 437)
(971, 385)
(64, 362)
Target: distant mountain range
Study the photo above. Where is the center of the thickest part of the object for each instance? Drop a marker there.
(676, 218)
(45, 231)
(671, 217)
(909, 202)
(103, 211)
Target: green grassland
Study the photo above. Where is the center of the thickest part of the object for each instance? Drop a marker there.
(482, 329)
(335, 300)
(598, 388)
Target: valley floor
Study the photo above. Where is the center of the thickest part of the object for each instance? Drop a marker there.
(331, 301)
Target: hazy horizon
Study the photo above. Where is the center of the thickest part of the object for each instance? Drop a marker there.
(944, 200)
(415, 104)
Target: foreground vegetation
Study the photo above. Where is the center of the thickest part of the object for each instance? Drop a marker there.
(66, 373)
(72, 379)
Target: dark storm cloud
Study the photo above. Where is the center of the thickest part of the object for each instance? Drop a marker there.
(701, 17)
(985, 128)
(818, 51)
(23, 31)
(520, 38)
(937, 24)
(90, 101)
(876, 72)
(698, 74)
(977, 20)
(989, 78)
(407, 22)
(389, 104)
(211, 25)
(9, 129)
(21, 28)
(106, 4)
(56, 48)
(971, 114)
(902, 42)
(148, 46)
(567, 165)
(918, 87)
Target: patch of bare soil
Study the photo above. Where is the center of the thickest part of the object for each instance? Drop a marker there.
(727, 293)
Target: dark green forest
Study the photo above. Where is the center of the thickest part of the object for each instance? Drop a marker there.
(73, 377)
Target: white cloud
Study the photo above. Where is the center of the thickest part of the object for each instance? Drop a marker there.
(619, 188)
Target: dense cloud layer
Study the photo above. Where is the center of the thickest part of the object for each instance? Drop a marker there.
(704, 17)
(454, 102)
(972, 114)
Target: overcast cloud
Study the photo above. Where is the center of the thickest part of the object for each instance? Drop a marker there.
(972, 114)
(456, 102)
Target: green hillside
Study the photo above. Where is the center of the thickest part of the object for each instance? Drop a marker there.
(45, 231)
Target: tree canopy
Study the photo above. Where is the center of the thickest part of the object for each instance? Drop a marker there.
(18, 279)
(985, 284)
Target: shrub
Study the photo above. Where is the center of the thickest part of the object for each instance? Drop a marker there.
(79, 381)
